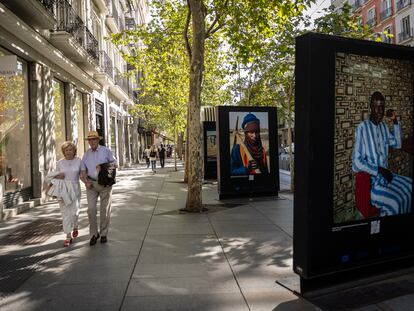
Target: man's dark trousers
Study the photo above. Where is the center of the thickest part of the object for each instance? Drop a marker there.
(162, 161)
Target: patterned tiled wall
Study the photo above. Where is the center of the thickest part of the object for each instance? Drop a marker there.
(357, 77)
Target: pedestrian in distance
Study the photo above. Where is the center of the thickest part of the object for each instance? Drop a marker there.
(147, 158)
(93, 161)
(161, 153)
(65, 185)
(153, 158)
(390, 192)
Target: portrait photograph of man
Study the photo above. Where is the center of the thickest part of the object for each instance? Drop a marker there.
(249, 143)
(373, 137)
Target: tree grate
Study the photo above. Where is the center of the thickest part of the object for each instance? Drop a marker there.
(36, 232)
(16, 269)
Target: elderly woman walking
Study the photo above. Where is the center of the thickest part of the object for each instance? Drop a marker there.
(65, 185)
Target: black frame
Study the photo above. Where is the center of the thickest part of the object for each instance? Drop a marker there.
(210, 167)
(321, 247)
(262, 185)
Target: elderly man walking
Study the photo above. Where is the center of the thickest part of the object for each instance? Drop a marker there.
(93, 160)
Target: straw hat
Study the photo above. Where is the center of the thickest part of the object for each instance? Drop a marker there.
(93, 134)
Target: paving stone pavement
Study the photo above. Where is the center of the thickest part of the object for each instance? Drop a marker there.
(156, 258)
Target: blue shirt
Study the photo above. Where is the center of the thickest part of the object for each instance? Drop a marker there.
(92, 158)
(371, 146)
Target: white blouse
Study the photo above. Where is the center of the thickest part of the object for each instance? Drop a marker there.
(71, 168)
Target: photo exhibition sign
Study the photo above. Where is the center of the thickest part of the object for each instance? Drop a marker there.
(353, 154)
(247, 152)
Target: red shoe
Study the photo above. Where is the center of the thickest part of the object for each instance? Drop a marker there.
(67, 242)
(75, 233)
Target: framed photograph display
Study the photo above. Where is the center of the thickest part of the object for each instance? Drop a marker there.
(248, 157)
(210, 150)
(353, 154)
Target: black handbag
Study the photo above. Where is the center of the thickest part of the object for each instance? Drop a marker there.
(107, 174)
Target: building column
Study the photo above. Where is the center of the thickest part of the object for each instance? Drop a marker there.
(70, 113)
(42, 126)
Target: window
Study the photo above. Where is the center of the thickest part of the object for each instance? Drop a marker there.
(371, 17)
(371, 14)
(405, 25)
(59, 109)
(15, 169)
(387, 31)
(386, 4)
(96, 27)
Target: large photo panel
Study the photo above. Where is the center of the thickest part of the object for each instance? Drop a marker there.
(372, 170)
(353, 155)
(247, 152)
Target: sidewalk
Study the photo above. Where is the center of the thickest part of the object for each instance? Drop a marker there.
(156, 258)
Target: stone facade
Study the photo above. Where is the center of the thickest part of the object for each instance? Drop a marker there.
(356, 78)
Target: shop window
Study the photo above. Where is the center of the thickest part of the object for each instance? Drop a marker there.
(15, 165)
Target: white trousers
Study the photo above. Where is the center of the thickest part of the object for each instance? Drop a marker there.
(70, 215)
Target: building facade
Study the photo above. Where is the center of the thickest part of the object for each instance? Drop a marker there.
(386, 16)
(59, 78)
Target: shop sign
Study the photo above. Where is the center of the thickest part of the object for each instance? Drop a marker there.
(8, 65)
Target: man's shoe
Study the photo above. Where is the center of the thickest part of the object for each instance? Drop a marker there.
(93, 239)
(104, 239)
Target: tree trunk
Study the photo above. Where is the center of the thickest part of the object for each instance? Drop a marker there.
(195, 163)
(186, 151)
(175, 144)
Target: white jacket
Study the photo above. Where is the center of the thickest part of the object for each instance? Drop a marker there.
(62, 189)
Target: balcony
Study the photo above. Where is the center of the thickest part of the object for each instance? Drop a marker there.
(72, 37)
(113, 17)
(121, 80)
(406, 34)
(386, 13)
(105, 75)
(37, 13)
(371, 22)
(120, 89)
(401, 4)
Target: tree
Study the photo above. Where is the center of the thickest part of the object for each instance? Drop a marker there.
(342, 23)
(246, 30)
(248, 27)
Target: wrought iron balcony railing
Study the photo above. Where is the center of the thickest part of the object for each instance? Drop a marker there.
(69, 21)
(405, 34)
(401, 4)
(387, 12)
(50, 6)
(105, 63)
(91, 44)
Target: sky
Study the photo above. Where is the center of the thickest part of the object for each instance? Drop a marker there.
(316, 10)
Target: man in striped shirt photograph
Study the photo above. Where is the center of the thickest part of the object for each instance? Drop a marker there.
(390, 192)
